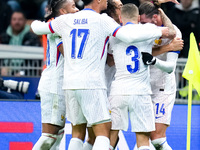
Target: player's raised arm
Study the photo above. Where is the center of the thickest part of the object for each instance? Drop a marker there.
(140, 33)
(166, 66)
(167, 23)
(40, 28)
(175, 45)
(137, 32)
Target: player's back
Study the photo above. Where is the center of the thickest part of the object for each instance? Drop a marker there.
(52, 76)
(85, 38)
(166, 83)
(132, 76)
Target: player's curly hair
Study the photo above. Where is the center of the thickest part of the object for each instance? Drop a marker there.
(149, 9)
(53, 7)
(111, 8)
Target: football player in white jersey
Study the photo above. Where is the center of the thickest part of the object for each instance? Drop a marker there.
(84, 36)
(113, 10)
(130, 91)
(162, 78)
(53, 108)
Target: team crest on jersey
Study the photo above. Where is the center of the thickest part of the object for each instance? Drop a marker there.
(62, 118)
(158, 41)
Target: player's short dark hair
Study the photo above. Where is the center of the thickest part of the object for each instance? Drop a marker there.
(129, 11)
(86, 2)
(53, 7)
(149, 9)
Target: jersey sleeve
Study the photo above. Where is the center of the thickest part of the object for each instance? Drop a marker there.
(178, 35)
(58, 41)
(109, 24)
(138, 33)
(178, 32)
(169, 65)
(57, 25)
(40, 28)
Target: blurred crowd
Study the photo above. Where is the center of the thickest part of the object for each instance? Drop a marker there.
(15, 29)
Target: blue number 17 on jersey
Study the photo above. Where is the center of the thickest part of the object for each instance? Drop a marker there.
(79, 33)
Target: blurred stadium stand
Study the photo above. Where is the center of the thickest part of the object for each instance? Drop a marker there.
(32, 60)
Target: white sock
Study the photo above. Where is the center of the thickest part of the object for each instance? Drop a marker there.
(75, 144)
(56, 145)
(111, 148)
(144, 148)
(161, 144)
(45, 141)
(101, 143)
(87, 146)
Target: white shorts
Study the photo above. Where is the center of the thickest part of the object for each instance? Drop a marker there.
(87, 106)
(163, 105)
(53, 108)
(138, 107)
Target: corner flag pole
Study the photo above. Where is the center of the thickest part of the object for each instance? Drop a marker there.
(189, 115)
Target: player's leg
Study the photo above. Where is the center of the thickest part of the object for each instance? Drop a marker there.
(76, 117)
(142, 119)
(142, 139)
(119, 117)
(53, 119)
(158, 137)
(160, 131)
(95, 109)
(151, 146)
(163, 105)
(78, 136)
(114, 138)
(48, 137)
(102, 132)
(88, 145)
(60, 135)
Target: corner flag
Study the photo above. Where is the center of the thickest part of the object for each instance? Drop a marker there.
(192, 68)
(192, 74)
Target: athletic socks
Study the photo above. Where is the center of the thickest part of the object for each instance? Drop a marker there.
(161, 144)
(87, 146)
(111, 148)
(56, 145)
(101, 143)
(45, 141)
(144, 148)
(75, 144)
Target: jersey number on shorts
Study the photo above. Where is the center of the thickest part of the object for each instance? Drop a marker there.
(162, 109)
(135, 59)
(79, 33)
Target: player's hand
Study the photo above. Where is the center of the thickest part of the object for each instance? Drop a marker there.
(165, 32)
(176, 44)
(164, 1)
(148, 59)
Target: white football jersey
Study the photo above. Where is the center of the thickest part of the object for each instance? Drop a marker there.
(132, 76)
(52, 76)
(85, 37)
(109, 71)
(163, 81)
